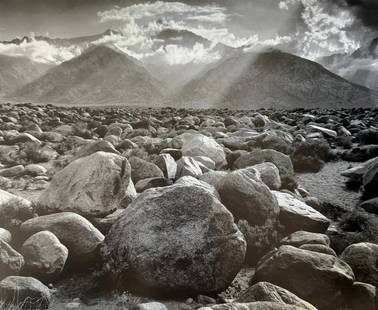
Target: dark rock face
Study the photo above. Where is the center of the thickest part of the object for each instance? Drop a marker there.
(146, 242)
(363, 258)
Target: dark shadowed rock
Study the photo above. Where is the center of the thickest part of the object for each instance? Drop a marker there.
(363, 258)
(167, 164)
(370, 205)
(142, 169)
(362, 296)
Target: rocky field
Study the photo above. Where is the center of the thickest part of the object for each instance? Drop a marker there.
(155, 209)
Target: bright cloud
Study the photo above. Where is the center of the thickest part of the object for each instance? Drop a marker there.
(40, 51)
(325, 29)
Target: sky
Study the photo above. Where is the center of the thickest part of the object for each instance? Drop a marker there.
(308, 28)
(69, 18)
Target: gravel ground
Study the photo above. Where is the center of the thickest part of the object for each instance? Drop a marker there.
(328, 185)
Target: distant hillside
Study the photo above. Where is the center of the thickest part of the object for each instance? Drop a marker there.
(272, 79)
(101, 75)
(15, 72)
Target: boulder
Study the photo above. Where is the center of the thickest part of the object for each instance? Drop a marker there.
(320, 248)
(300, 238)
(14, 171)
(363, 258)
(151, 306)
(247, 197)
(280, 160)
(11, 262)
(5, 235)
(269, 174)
(295, 215)
(370, 205)
(363, 297)
(190, 181)
(265, 291)
(323, 280)
(44, 255)
(94, 147)
(213, 178)
(144, 184)
(370, 181)
(325, 131)
(167, 164)
(25, 291)
(13, 208)
(35, 170)
(91, 186)
(142, 169)
(188, 166)
(176, 239)
(195, 144)
(259, 305)
(80, 237)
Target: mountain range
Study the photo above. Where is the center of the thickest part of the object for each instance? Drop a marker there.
(103, 74)
(15, 72)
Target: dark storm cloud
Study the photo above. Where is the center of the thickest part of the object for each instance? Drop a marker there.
(366, 10)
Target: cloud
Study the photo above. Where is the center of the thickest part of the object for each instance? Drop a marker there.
(40, 51)
(141, 23)
(325, 28)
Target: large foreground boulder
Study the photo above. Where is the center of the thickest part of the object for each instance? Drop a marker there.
(91, 186)
(363, 258)
(321, 279)
(175, 239)
(25, 293)
(80, 237)
(265, 291)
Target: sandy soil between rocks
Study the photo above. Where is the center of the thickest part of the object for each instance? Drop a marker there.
(328, 185)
